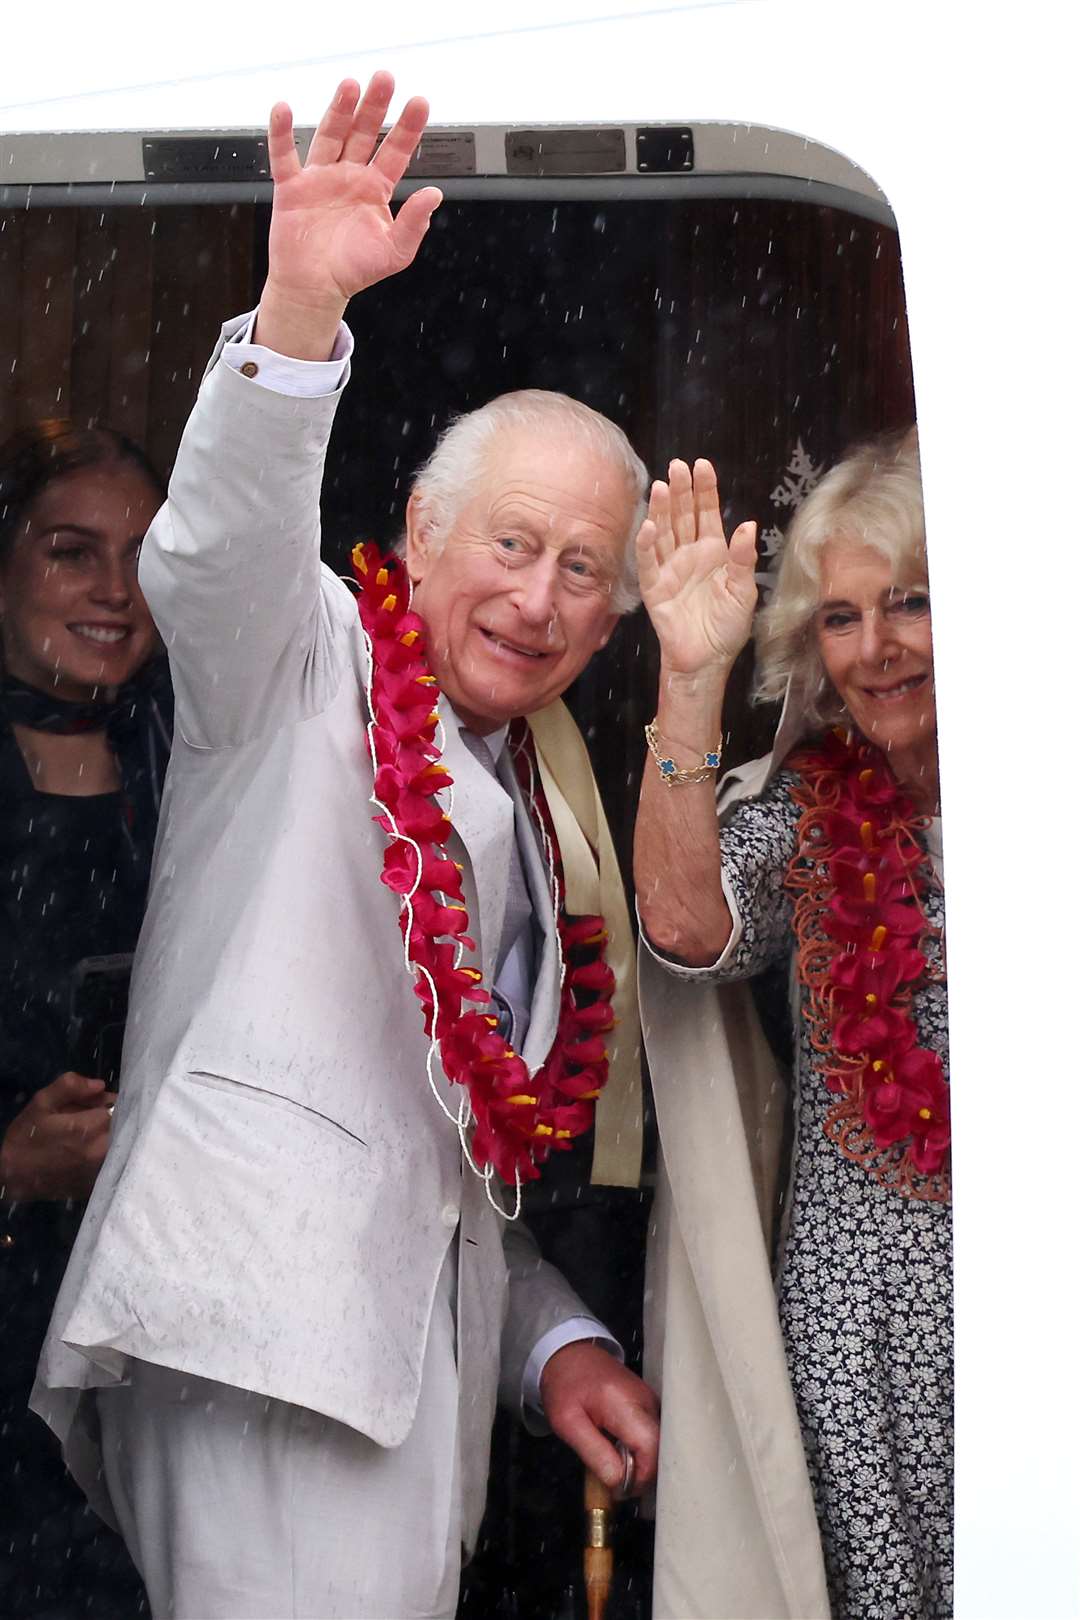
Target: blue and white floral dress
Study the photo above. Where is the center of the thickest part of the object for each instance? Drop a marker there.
(863, 1277)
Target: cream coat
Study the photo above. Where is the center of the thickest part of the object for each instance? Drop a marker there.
(736, 1534)
(282, 1187)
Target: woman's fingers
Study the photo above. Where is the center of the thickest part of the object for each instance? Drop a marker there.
(645, 544)
(742, 550)
(69, 1090)
(709, 520)
(735, 585)
(647, 564)
(87, 1127)
(334, 126)
(660, 517)
(686, 513)
(683, 519)
(281, 144)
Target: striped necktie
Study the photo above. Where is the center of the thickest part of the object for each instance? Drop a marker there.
(516, 955)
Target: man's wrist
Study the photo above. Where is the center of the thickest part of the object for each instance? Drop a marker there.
(296, 328)
(574, 1330)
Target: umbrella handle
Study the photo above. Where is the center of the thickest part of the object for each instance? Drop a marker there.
(599, 1555)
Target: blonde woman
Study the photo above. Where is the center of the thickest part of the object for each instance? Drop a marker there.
(801, 1269)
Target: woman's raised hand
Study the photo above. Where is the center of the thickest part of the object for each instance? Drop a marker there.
(697, 586)
(331, 231)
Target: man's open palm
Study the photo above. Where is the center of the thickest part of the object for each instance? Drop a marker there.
(331, 231)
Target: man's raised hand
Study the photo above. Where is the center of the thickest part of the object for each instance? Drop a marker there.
(698, 587)
(331, 231)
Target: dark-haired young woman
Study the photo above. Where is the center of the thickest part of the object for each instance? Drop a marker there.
(85, 728)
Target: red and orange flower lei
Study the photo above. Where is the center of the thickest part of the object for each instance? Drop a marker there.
(517, 1119)
(858, 877)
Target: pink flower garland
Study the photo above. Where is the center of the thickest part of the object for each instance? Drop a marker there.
(519, 1119)
(857, 876)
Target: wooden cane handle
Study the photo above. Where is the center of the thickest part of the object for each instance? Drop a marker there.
(598, 1496)
(599, 1555)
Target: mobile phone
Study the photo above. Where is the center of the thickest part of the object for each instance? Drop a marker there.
(97, 1013)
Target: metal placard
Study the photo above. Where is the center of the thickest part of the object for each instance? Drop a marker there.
(441, 154)
(565, 151)
(665, 149)
(444, 152)
(206, 157)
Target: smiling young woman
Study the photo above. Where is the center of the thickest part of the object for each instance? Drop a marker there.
(74, 627)
(85, 729)
(74, 618)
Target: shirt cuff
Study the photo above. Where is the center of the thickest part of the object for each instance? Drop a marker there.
(683, 970)
(572, 1331)
(302, 379)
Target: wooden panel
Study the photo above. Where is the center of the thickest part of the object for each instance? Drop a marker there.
(92, 335)
(202, 274)
(129, 335)
(46, 306)
(176, 266)
(240, 260)
(109, 315)
(11, 261)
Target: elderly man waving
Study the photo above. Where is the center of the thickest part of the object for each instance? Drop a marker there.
(275, 1356)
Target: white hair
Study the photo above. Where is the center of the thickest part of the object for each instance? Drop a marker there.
(449, 477)
(872, 497)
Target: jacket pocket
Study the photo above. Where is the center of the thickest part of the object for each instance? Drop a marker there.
(272, 1099)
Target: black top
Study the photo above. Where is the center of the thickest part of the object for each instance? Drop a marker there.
(74, 874)
(72, 884)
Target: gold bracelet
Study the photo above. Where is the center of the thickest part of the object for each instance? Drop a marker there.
(670, 774)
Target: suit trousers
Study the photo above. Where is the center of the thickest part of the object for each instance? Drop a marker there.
(239, 1507)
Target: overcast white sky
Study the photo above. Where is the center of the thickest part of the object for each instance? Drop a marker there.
(113, 65)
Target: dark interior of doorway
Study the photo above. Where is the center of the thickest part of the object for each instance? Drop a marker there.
(745, 331)
(764, 334)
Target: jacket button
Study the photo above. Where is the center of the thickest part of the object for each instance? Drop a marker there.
(449, 1215)
(249, 369)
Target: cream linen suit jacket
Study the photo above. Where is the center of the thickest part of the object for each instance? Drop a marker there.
(282, 1188)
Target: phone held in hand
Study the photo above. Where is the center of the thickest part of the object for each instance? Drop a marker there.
(97, 1013)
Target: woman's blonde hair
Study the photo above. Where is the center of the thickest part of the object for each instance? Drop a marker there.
(873, 496)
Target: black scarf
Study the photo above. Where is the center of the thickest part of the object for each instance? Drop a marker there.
(138, 724)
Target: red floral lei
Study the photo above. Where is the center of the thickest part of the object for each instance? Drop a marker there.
(519, 1118)
(858, 876)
